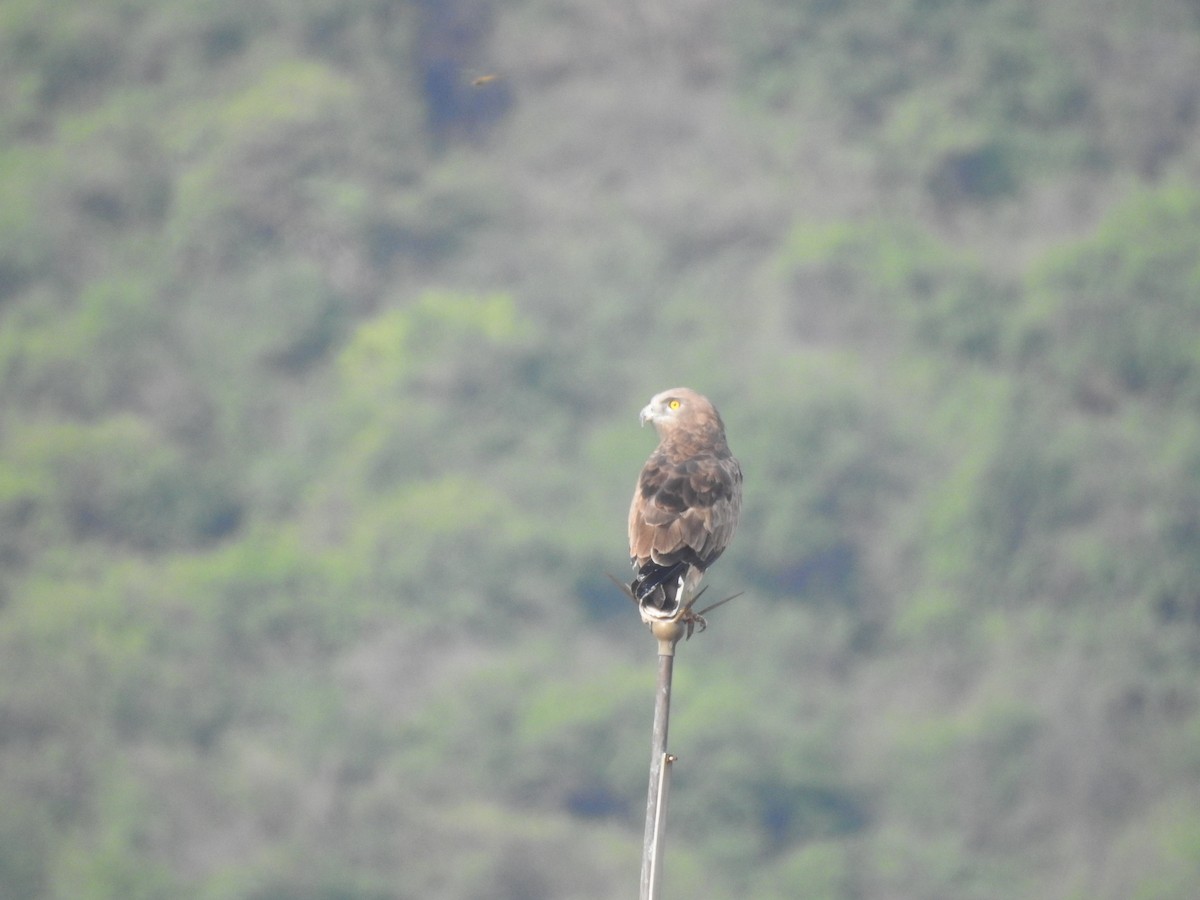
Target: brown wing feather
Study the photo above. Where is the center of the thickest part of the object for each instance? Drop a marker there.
(685, 511)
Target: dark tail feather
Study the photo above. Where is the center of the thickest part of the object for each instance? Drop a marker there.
(652, 576)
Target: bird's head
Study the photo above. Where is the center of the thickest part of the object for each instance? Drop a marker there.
(675, 405)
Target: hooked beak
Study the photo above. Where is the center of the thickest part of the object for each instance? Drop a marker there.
(647, 415)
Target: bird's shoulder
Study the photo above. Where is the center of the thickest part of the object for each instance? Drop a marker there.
(680, 481)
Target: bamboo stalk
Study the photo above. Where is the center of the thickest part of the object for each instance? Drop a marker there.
(668, 635)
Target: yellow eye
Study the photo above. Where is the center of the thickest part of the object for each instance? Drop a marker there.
(673, 404)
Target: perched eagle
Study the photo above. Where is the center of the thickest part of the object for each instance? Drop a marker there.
(686, 504)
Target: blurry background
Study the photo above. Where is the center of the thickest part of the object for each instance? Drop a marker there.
(321, 352)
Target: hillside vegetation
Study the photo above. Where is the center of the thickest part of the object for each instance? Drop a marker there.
(321, 351)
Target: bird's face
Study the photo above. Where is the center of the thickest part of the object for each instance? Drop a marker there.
(667, 406)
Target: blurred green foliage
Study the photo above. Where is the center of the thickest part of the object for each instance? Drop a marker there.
(320, 357)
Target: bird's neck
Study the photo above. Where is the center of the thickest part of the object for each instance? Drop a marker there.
(680, 444)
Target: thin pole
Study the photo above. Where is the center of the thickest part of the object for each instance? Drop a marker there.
(656, 795)
(668, 633)
(660, 827)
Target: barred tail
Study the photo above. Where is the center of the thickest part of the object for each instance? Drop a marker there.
(659, 585)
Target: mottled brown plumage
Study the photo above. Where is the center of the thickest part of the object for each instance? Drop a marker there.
(685, 507)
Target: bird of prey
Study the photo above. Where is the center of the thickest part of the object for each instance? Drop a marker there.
(685, 507)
